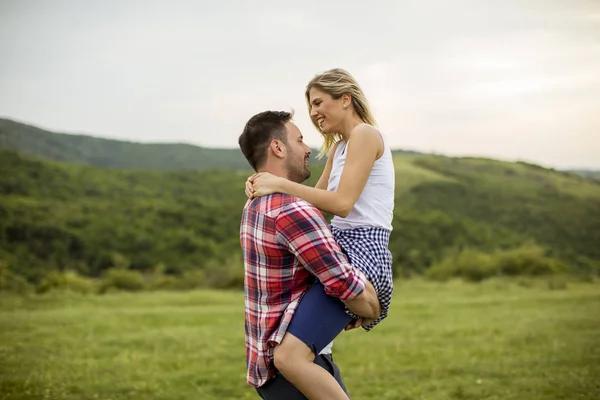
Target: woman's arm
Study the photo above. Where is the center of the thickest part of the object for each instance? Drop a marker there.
(321, 184)
(324, 179)
(364, 147)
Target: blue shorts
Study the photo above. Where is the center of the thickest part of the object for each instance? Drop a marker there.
(319, 318)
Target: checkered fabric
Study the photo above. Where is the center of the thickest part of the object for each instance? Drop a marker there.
(367, 249)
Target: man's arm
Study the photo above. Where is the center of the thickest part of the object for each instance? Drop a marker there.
(365, 304)
(302, 228)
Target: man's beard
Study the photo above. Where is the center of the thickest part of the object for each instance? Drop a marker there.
(297, 172)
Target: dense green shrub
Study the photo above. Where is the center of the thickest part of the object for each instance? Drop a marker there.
(474, 265)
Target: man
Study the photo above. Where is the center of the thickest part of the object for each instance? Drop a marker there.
(286, 244)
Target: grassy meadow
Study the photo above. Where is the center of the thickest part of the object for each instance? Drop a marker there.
(522, 338)
(110, 277)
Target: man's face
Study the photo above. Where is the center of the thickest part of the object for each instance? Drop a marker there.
(298, 153)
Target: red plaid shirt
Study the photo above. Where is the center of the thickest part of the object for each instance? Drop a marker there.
(286, 242)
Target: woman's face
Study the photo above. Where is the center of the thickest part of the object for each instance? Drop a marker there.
(327, 112)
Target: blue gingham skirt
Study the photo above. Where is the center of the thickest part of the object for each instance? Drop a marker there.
(367, 249)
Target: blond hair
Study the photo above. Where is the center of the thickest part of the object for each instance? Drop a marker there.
(338, 82)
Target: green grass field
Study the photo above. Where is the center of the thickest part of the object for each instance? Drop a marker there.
(519, 339)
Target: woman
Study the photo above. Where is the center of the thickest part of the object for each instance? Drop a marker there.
(357, 186)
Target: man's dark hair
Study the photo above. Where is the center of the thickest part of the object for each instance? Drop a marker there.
(259, 131)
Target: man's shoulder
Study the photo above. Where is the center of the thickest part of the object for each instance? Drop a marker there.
(276, 204)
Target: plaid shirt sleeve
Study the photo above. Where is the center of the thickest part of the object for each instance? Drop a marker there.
(302, 229)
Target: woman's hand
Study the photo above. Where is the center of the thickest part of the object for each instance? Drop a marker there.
(250, 187)
(262, 184)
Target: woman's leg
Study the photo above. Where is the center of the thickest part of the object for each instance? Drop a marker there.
(317, 321)
(278, 387)
(295, 361)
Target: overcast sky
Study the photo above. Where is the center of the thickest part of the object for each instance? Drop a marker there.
(508, 79)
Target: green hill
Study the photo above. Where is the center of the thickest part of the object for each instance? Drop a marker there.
(56, 216)
(457, 203)
(99, 152)
(81, 149)
(587, 173)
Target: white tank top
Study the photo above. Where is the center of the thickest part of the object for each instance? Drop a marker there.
(375, 205)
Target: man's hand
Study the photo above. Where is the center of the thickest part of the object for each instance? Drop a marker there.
(358, 322)
(367, 321)
(355, 323)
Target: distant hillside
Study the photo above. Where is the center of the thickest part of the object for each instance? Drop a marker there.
(587, 173)
(88, 150)
(65, 216)
(108, 153)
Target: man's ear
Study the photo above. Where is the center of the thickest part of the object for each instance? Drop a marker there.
(277, 148)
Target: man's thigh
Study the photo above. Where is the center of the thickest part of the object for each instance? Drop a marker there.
(279, 388)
